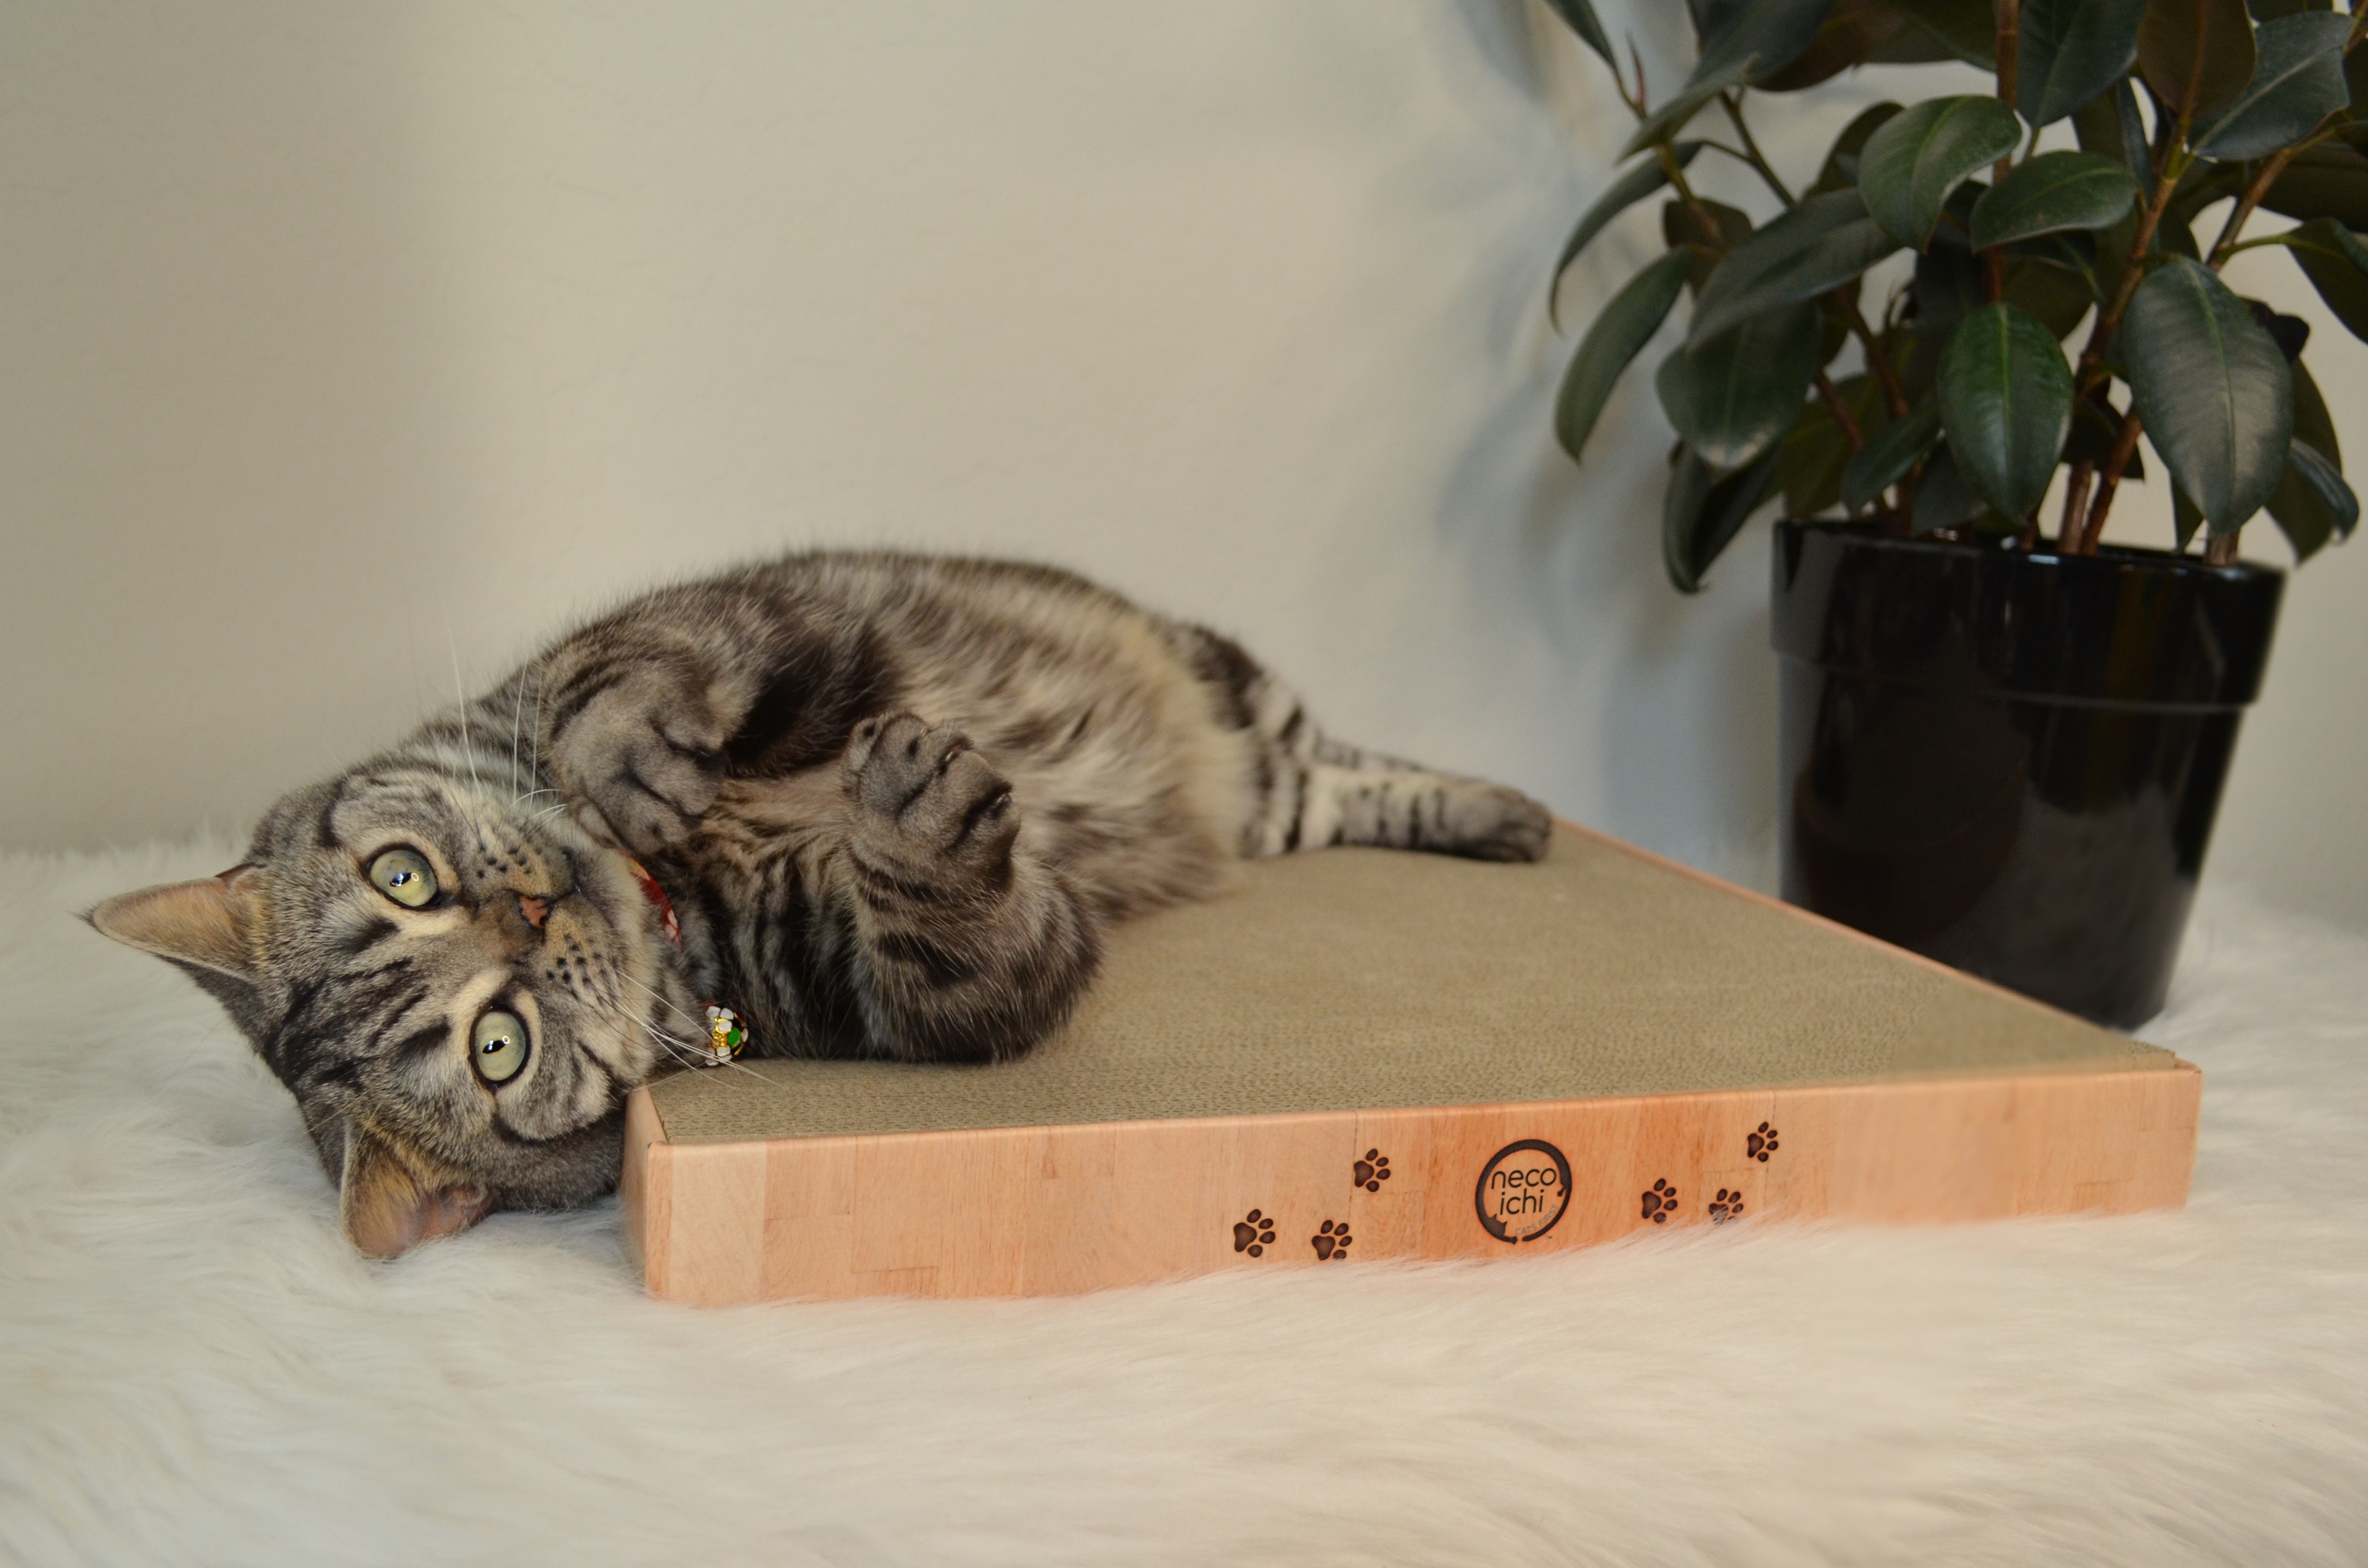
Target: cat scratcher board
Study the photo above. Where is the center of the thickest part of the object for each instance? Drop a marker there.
(1363, 1054)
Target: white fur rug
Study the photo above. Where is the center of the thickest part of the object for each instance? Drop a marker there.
(195, 1369)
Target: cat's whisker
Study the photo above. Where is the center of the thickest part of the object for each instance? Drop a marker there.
(518, 704)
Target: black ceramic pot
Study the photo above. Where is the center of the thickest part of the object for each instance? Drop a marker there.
(2010, 762)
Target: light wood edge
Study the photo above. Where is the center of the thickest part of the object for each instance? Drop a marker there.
(1059, 1210)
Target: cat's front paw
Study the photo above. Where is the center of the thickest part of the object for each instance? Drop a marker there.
(924, 795)
(642, 763)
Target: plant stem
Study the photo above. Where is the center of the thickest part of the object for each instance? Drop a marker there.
(2222, 550)
(2226, 245)
(1844, 421)
(1732, 103)
(2076, 502)
(2168, 167)
(2126, 443)
(1876, 360)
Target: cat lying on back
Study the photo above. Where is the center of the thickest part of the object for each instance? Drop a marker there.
(890, 802)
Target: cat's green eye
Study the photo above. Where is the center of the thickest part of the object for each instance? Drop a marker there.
(498, 1046)
(404, 876)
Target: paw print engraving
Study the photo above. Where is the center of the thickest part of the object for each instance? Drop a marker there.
(1725, 1206)
(1370, 1172)
(1760, 1144)
(1661, 1202)
(1332, 1241)
(1254, 1233)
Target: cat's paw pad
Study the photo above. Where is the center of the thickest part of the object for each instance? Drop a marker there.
(1254, 1233)
(643, 761)
(1332, 1241)
(930, 791)
(1370, 1172)
(1661, 1201)
(1725, 1206)
(1760, 1144)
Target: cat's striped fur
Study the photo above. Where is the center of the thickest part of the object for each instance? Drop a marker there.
(895, 800)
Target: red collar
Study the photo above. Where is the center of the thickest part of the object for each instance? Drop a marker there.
(656, 895)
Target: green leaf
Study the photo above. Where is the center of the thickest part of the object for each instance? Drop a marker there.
(1810, 461)
(1672, 117)
(2071, 51)
(1916, 158)
(1825, 242)
(2211, 387)
(1626, 191)
(2267, 10)
(2052, 191)
(1702, 512)
(2312, 423)
(2312, 504)
(2006, 402)
(1616, 337)
(1732, 396)
(2335, 261)
(1854, 30)
(1943, 498)
(2197, 55)
(1580, 17)
(1960, 29)
(1887, 456)
(2298, 83)
(1764, 36)
(2323, 182)
(1840, 169)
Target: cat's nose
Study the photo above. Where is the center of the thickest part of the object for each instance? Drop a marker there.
(534, 909)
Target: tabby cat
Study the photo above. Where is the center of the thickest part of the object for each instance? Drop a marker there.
(880, 805)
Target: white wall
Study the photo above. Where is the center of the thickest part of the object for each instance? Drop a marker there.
(341, 344)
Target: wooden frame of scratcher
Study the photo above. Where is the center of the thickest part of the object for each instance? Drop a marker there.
(1361, 1055)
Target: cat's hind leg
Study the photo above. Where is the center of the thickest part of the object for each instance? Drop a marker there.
(1319, 791)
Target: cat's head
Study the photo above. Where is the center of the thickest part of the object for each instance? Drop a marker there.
(459, 988)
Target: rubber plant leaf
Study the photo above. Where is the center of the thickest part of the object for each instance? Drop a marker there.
(2069, 52)
(2197, 55)
(1734, 395)
(2335, 261)
(1762, 36)
(1961, 29)
(1887, 456)
(1916, 158)
(1839, 171)
(1702, 512)
(2051, 192)
(2312, 422)
(1618, 333)
(2211, 388)
(2297, 83)
(1814, 453)
(1625, 192)
(1820, 245)
(1579, 17)
(2323, 182)
(1672, 117)
(1854, 30)
(2006, 404)
(1943, 498)
(2312, 502)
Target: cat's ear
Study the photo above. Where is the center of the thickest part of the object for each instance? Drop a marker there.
(390, 1198)
(211, 923)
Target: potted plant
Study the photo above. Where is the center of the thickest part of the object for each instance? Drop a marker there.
(2002, 740)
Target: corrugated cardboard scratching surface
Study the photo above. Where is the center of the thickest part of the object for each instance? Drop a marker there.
(1364, 979)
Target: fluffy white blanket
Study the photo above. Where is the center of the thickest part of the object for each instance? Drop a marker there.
(195, 1369)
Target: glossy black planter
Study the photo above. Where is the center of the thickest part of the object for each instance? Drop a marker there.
(2010, 762)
